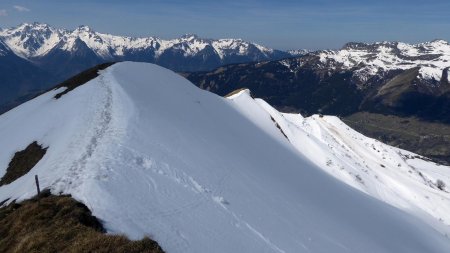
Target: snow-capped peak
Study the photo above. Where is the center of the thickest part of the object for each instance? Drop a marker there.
(26, 27)
(31, 40)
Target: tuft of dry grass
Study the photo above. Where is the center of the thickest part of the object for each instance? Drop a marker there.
(60, 224)
(22, 162)
(234, 92)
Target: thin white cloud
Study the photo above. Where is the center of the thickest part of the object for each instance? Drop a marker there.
(3, 13)
(21, 8)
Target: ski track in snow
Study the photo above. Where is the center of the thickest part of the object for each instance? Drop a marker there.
(189, 182)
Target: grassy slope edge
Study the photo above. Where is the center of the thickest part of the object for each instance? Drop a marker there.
(22, 162)
(50, 223)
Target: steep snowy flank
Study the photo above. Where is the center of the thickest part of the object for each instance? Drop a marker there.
(431, 57)
(398, 177)
(150, 154)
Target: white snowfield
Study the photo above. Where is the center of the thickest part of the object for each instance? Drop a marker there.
(151, 154)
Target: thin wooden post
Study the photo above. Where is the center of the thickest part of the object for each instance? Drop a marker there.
(37, 184)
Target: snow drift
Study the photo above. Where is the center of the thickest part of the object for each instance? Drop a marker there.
(151, 154)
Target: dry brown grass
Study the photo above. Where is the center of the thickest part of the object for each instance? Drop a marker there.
(234, 92)
(60, 224)
(22, 162)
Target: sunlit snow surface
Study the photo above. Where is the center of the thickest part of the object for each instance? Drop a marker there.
(398, 177)
(151, 154)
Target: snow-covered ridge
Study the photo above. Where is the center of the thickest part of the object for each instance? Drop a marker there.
(151, 154)
(395, 176)
(370, 59)
(36, 40)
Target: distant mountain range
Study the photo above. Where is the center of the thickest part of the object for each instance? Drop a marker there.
(387, 77)
(37, 55)
(384, 77)
(41, 44)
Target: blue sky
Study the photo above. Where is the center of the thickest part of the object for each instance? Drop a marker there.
(287, 24)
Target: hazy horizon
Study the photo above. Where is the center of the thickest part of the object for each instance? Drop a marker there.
(322, 24)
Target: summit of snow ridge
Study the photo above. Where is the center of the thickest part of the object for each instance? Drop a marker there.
(30, 29)
(237, 93)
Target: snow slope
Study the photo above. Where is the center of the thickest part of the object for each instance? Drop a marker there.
(398, 177)
(150, 154)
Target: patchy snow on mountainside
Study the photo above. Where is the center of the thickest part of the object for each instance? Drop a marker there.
(151, 154)
(431, 57)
